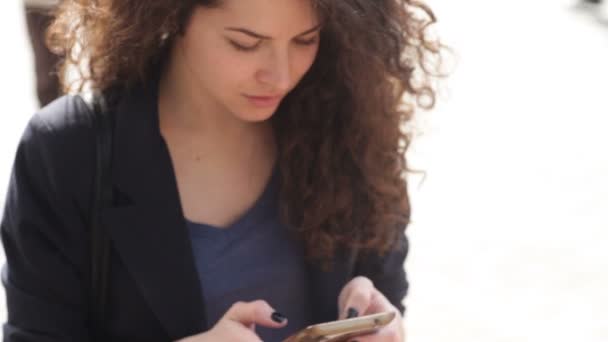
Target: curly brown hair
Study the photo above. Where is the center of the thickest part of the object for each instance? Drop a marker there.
(340, 132)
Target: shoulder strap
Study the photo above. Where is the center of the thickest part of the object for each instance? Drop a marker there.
(102, 197)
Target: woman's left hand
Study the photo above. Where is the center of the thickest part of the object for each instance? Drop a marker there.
(359, 297)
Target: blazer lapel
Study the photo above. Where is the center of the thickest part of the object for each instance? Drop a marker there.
(148, 231)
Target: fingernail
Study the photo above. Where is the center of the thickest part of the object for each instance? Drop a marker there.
(352, 312)
(278, 317)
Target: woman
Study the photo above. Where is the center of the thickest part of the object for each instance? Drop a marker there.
(258, 168)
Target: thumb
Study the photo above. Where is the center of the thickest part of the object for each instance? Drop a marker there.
(256, 312)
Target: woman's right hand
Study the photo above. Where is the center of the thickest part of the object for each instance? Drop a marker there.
(238, 323)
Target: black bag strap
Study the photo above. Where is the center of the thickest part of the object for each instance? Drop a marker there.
(102, 198)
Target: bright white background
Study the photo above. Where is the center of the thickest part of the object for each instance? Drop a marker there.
(510, 233)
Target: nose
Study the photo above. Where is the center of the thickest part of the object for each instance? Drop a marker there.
(276, 73)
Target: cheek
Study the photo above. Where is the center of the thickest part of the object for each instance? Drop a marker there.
(304, 61)
(223, 70)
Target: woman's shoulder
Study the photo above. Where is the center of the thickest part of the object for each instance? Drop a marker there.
(64, 115)
(64, 125)
(59, 139)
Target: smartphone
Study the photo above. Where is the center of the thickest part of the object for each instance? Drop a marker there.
(342, 330)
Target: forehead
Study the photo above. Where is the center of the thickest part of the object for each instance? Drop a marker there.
(273, 17)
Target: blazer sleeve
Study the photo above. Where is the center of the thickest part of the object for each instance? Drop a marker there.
(387, 271)
(44, 242)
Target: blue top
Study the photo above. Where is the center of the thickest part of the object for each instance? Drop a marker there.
(254, 258)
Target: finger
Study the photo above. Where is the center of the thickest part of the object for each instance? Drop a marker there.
(379, 303)
(357, 299)
(257, 312)
(347, 289)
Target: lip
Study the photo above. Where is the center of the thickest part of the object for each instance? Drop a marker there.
(263, 101)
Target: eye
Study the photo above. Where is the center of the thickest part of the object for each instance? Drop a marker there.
(305, 42)
(244, 48)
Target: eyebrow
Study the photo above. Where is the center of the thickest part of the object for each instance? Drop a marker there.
(261, 36)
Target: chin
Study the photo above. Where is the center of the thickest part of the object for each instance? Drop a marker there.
(254, 115)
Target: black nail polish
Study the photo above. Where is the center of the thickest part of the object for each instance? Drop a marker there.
(352, 312)
(278, 317)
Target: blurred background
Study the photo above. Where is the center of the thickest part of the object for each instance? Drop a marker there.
(509, 240)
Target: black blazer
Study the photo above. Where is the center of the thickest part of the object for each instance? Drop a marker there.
(154, 288)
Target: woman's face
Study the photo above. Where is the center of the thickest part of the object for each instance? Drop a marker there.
(248, 49)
